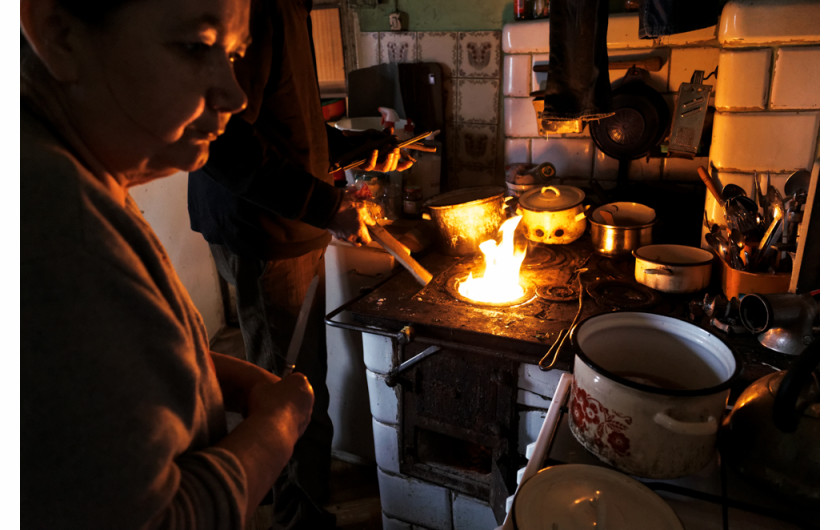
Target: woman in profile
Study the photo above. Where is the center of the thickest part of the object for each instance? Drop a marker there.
(122, 402)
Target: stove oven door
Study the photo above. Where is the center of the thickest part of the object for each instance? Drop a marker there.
(459, 424)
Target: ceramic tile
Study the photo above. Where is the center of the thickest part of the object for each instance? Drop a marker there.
(538, 79)
(415, 501)
(368, 49)
(572, 157)
(528, 36)
(386, 445)
(734, 67)
(698, 37)
(516, 78)
(475, 144)
(520, 117)
(747, 23)
(684, 169)
(517, 151)
(605, 168)
(477, 100)
(684, 61)
(468, 176)
(383, 399)
(449, 99)
(623, 32)
(397, 47)
(469, 513)
(796, 79)
(479, 54)
(439, 47)
(750, 141)
(645, 169)
(389, 523)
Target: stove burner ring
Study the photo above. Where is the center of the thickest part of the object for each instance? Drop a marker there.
(455, 280)
(623, 294)
(557, 293)
(543, 257)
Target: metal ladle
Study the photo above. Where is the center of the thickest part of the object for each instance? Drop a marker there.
(797, 183)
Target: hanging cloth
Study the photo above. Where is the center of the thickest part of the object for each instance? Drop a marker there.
(578, 83)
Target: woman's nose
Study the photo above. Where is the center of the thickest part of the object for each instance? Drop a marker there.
(226, 95)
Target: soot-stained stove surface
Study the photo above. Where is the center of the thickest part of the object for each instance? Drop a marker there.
(552, 276)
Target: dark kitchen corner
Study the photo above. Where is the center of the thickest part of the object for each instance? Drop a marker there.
(354, 491)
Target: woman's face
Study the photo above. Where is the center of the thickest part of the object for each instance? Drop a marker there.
(156, 84)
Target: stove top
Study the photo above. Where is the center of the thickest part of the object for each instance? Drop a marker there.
(550, 273)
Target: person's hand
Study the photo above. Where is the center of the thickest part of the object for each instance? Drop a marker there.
(351, 222)
(290, 398)
(396, 160)
(393, 160)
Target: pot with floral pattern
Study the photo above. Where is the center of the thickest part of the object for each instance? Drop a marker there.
(649, 392)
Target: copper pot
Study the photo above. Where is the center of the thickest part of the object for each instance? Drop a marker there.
(618, 228)
(466, 218)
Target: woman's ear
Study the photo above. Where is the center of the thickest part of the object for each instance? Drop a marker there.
(51, 33)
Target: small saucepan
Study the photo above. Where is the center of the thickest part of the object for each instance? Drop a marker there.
(554, 215)
(673, 268)
(618, 228)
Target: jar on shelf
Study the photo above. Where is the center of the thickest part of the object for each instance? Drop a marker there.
(412, 202)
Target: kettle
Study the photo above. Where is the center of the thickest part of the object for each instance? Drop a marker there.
(771, 435)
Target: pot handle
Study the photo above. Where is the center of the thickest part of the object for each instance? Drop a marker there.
(663, 272)
(694, 428)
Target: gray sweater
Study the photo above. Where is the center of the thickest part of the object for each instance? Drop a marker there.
(119, 399)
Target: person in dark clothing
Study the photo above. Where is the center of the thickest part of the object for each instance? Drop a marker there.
(267, 205)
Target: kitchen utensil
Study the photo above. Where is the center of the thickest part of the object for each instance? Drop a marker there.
(731, 190)
(648, 392)
(467, 217)
(760, 198)
(711, 185)
(783, 322)
(770, 237)
(300, 327)
(385, 144)
(640, 120)
(689, 117)
(797, 183)
(618, 228)
(554, 215)
(673, 268)
(582, 497)
(772, 434)
(395, 248)
(736, 283)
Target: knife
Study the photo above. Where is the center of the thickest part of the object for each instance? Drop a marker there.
(300, 327)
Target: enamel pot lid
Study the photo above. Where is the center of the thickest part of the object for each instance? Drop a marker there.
(551, 198)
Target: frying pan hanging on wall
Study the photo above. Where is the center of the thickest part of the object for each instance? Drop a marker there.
(640, 121)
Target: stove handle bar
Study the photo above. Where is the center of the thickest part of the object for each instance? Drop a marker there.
(391, 378)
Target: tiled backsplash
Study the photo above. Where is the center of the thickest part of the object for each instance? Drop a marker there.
(471, 63)
(767, 58)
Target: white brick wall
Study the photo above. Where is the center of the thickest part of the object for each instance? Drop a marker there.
(769, 61)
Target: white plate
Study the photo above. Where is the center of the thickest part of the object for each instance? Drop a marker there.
(578, 496)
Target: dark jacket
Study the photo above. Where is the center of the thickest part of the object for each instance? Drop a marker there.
(265, 191)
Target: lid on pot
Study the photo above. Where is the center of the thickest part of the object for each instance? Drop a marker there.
(580, 496)
(551, 198)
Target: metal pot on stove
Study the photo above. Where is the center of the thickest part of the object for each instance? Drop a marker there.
(554, 215)
(649, 392)
(618, 228)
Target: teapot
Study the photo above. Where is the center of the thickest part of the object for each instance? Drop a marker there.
(771, 435)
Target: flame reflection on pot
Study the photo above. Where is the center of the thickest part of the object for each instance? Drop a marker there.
(500, 282)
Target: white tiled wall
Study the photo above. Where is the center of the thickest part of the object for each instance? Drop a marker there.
(472, 68)
(765, 95)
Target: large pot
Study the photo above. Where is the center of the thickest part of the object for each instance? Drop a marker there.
(618, 228)
(466, 218)
(673, 268)
(554, 215)
(649, 392)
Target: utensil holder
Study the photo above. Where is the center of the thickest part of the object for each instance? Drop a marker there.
(736, 283)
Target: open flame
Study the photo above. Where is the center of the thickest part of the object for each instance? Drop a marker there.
(500, 282)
